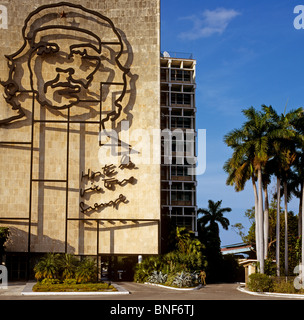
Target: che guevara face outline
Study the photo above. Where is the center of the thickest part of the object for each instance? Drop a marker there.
(65, 69)
(73, 86)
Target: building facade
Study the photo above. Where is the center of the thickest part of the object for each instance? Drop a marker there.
(79, 84)
(83, 98)
(178, 114)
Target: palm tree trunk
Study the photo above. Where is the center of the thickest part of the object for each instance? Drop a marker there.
(300, 212)
(286, 228)
(266, 223)
(256, 217)
(278, 226)
(261, 218)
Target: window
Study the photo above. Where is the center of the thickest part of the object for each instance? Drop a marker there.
(189, 186)
(164, 99)
(177, 211)
(179, 171)
(187, 76)
(181, 99)
(187, 123)
(187, 196)
(177, 186)
(187, 99)
(180, 122)
(180, 75)
(163, 74)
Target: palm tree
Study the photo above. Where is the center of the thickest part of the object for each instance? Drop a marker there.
(214, 215)
(283, 139)
(239, 172)
(47, 267)
(209, 236)
(86, 271)
(298, 123)
(266, 144)
(4, 234)
(186, 243)
(252, 142)
(68, 264)
(297, 184)
(266, 182)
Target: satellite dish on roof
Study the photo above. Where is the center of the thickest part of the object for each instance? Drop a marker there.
(166, 54)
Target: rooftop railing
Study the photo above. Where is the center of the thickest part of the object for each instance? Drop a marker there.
(176, 55)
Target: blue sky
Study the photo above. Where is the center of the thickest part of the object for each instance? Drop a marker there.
(248, 53)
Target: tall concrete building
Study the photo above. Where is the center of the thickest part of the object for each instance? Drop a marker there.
(178, 114)
(80, 138)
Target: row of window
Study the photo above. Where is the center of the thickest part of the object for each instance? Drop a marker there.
(178, 122)
(178, 186)
(176, 99)
(178, 112)
(181, 196)
(177, 171)
(176, 75)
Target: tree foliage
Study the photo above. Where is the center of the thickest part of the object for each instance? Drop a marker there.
(187, 257)
(4, 234)
(208, 223)
(66, 268)
(268, 144)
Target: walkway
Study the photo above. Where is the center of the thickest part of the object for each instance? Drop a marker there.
(146, 292)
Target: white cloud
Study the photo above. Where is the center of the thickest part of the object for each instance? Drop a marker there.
(209, 22)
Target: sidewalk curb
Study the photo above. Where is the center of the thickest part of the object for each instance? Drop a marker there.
(270, 294)
(172, 288)
(28, 291)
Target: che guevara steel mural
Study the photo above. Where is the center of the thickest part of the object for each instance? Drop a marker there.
(72, 62)
(63, 59)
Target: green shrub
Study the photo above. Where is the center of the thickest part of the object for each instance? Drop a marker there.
(88, 287)
(158, 278)
(185, 280)
(145, 269)
(283, 285)
(270, 267)
(4, 234)
(65, 267)
(47, 281)
(177, 261)
(171, 277)
(182, 280)
(260, 283)
(86, 271)
(68, 264)
(186, 259)
(47, 267)
(69, 282)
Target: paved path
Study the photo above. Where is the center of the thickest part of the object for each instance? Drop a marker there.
(146, 292)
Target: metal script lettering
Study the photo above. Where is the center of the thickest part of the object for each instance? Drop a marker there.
(115, 204)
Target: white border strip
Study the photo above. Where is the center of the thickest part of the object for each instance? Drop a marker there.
(173, 288)
(270, 294)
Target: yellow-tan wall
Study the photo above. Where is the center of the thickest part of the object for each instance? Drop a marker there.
(138, 22)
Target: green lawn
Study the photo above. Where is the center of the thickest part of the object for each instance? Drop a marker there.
(88, 287)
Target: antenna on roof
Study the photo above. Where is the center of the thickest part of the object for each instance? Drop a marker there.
(166, 54)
